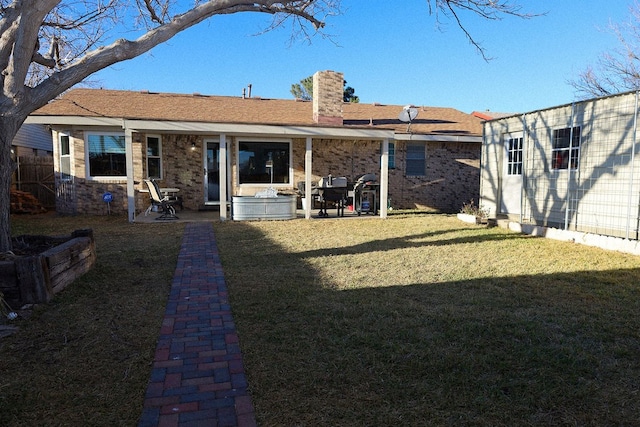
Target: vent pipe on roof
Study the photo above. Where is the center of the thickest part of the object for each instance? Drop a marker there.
(244, 91)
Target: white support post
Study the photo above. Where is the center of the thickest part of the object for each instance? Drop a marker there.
(634, 141)
(567, 215)
(384, 178)
(131, 191)
(308, 161)
(223, 177)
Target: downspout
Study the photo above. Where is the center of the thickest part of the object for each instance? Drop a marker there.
(568, 200)
(131, 191)
(633, 155)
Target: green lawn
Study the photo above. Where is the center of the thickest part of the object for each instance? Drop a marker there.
(413, 320)
(85, 358)
(424, 320)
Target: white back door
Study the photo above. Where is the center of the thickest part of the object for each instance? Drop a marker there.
(511, 200)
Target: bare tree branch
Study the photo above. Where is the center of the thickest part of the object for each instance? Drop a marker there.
(615, 71)
(493, 10)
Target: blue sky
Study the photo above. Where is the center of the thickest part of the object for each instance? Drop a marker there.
(390, 52)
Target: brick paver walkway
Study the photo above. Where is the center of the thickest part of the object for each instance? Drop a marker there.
(198, 375)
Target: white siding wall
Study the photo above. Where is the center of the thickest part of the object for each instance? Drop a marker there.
(34, 136)
(602, 195)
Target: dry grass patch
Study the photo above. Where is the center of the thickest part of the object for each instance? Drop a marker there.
(85, 358)
(423, 319)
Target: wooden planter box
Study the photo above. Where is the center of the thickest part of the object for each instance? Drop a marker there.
(36, 279)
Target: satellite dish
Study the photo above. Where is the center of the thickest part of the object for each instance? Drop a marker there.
(407, 115)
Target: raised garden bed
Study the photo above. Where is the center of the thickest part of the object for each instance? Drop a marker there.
(42, 266)
(471, 219)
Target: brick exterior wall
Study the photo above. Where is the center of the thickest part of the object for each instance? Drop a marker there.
(452, 173)
(452, 178)
(183, 168)
(84, 196)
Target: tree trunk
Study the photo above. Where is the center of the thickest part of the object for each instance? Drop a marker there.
(8, 128)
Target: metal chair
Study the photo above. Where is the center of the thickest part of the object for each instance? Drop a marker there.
(164, 203)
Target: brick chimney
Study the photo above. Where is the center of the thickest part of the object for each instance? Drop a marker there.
(328, 87)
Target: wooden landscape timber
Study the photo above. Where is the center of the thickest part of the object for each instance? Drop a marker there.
(34, 279)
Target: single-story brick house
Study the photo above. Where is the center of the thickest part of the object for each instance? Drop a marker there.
(216, 147)
(573, 167)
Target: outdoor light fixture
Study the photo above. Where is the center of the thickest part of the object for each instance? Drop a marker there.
(193, 146)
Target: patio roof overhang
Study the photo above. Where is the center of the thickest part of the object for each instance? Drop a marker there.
(137, 125)
(215, 128)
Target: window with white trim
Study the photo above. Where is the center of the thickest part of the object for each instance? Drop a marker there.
(565, 148)
(106, 156)
(416, 159)
(514, 156)
(154, 157)
(264, 162)
(65, 156)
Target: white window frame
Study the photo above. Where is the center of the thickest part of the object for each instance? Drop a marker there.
(515, 155)
(570, 153)
(87, 159)
(289, 142)
(158, 157)
(68, 157)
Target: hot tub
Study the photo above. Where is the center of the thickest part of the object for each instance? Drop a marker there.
(247, 208)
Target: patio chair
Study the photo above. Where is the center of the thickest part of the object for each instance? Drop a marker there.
(164, 203)
(171, 197)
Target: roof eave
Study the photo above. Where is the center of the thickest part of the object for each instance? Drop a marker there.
(236, 128)
(205, 127)
(437, 137)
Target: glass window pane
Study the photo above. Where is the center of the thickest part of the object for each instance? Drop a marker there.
(415, 160)
(65, 167)
(153, 146)
(154, 157)
(64, 145)
(106, 155)
(264, 162)
(154, 167)
(392, 155)
(563, 141)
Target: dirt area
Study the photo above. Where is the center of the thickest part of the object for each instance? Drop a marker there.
(29, 245)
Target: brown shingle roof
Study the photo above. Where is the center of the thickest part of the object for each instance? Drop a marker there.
(227, 109)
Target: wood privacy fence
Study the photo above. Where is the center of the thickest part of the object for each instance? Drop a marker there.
(35, 175)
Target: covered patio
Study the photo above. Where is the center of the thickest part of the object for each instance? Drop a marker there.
(188, 215)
